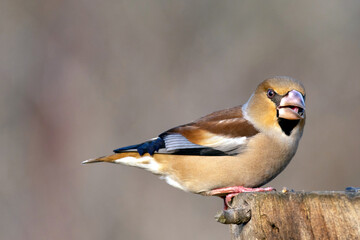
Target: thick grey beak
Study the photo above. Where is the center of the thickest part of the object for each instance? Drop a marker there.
(292, 106)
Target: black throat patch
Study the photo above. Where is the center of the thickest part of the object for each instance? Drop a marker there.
(287, 125)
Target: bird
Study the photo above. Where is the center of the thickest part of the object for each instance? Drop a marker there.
(230, 151)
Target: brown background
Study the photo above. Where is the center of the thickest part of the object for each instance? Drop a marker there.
(80, 78)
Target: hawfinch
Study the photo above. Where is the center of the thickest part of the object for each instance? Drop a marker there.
(229, 151)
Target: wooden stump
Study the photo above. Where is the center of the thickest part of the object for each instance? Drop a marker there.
(294, 215)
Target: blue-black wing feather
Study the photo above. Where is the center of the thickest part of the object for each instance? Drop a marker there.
(155, 145)
(150, 147)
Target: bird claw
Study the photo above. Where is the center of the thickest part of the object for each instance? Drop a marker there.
(228, 199)
(231, 192)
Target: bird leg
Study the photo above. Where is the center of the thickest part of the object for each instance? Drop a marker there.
(231, 192)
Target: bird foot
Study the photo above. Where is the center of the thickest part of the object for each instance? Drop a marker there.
(231, 192)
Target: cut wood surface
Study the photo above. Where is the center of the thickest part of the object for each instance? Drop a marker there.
(294, 215)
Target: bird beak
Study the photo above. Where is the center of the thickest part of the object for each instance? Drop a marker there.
(292, 106)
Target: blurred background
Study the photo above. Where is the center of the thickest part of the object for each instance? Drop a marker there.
(81, 78)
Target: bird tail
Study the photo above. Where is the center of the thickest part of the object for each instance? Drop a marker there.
(110, 158)
(134, 159)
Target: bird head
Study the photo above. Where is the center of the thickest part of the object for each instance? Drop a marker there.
(277, 103)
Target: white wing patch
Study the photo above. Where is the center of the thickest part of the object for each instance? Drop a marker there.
(225, 144)
(177, 141)
(221, 143)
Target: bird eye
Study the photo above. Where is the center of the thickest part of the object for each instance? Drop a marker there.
(270, 93)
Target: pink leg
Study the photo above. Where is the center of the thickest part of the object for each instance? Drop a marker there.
(231, 192)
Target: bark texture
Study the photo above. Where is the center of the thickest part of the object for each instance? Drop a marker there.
(295, 215)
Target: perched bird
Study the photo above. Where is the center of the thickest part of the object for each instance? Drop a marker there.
(229, 151)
